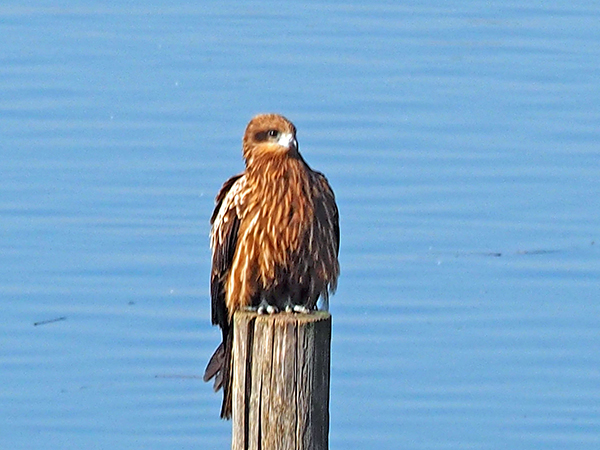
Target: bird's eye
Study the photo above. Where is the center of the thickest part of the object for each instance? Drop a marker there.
(273, 133)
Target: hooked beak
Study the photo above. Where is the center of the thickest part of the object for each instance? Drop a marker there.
(288, 141)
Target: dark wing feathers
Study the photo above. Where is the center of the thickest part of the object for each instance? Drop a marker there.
(214, 366)
(225, 227)
(222, 194)
(331, 209)
(224, 235)
(222, 257)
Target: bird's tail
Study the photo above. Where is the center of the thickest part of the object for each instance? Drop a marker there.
(218, 367)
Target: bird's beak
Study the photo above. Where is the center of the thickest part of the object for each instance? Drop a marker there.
(288, 140)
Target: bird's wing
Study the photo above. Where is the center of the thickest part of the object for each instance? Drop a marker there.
(327, 210)
(225, 222)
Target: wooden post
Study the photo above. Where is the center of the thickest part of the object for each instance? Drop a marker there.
(281, 381)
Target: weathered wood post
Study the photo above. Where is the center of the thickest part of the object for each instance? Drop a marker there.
(281, 381)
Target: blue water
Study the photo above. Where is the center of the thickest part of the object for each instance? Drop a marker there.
(461, 139)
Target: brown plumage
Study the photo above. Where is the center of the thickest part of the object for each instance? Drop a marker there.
(274, 237)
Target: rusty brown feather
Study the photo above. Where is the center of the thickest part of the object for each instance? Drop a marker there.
(274, 236)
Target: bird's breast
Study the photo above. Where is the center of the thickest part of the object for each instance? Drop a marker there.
(279, 217)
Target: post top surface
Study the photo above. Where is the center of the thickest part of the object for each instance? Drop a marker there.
(316, 316)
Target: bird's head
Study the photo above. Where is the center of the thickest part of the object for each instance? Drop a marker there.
(269, 135)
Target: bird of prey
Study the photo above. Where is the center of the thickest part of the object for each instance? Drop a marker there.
(274, 238)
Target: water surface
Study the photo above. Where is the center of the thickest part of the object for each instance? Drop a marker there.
(461, 140)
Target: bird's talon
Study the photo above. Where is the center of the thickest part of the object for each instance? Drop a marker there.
(301, 309)
(265, 308)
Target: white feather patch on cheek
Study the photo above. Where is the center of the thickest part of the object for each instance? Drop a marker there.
(285, 140)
